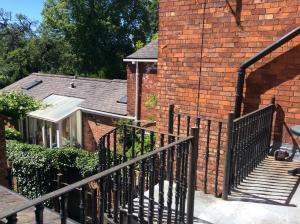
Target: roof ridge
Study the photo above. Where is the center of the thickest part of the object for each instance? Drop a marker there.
(79, 77)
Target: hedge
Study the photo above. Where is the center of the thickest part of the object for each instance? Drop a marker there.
(35, 166)
(12, 134)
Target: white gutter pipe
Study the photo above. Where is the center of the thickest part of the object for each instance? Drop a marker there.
(106, 114)
(137, 87)
(140, 60)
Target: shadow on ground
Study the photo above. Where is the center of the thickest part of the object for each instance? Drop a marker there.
(269, 183)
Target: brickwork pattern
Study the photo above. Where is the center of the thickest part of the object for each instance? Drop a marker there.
(95, 126)
(233, 32)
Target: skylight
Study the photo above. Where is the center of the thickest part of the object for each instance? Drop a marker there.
(31, 84)
(123, 100)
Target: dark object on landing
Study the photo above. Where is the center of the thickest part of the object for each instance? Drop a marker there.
(294, 172)
(280, 155)
(295, 130)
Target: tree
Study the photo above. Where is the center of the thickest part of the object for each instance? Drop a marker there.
(14, 36)
(17, 104)
(77, 37)
(100, 33)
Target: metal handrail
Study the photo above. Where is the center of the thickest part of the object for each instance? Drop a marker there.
(67, 189)
(242, 69)
(253, 112)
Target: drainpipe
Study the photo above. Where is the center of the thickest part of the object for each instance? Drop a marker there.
(241, 72)
(137, 89)
(239, 92)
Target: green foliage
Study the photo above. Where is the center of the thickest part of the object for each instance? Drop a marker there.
(17, 104)
(76, 37)
(12, 134)
(14, 55)
(151, 101)
(35, 166)
(100, 33)
(139, 44)
(87, 163)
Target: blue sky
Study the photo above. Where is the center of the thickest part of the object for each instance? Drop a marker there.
(31, 8)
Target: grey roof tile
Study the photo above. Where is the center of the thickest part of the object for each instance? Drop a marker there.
(147, 52)
(99, 94)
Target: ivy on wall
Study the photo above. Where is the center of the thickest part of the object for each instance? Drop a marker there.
(151, 101)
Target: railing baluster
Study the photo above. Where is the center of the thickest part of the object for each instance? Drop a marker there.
(133, 138)
(151, 190)
(183, 190)
(59, 177)
(141, 182)
(63, 199)
(130, 209)
(102, 204)
(94, 205)
(115, 159)
(39, 210)
(229, 161)
(177, 180)
(124, 171)
(82, 204)
(116, 181)
(170, 190)
(218, 157)
(178, 123)
(116, 188)
(188, 124)
(206, 156)
(192, 176)
(161, 181)
(170, 131)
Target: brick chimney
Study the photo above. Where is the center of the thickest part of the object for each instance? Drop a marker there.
(3, 163)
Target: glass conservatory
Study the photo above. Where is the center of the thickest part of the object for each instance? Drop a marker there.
(58, 124)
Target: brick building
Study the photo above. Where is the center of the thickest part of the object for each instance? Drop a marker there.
(203, 42)
(142, 95)
(79, 110)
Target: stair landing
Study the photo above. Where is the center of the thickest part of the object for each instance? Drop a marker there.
(9, 200)
(268, 196)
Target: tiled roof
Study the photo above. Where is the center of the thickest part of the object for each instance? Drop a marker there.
(98, 94)
(147, 52)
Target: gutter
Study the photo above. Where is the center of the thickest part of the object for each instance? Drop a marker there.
(140, 60)
(106, 114)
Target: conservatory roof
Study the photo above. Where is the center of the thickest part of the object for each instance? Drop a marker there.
(57, 108)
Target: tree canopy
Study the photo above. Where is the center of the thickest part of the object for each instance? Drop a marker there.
(76, 37)
(17, 104)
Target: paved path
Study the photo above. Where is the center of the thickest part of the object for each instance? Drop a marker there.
(9, 199)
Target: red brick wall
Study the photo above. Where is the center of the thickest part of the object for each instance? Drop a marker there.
(3, 164)
(95, 126)
(234, 30)
(148, 82)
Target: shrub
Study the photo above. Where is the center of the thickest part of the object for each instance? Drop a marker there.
(12, 134)
(35, 166)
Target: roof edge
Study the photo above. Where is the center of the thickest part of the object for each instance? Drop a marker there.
(77, 77)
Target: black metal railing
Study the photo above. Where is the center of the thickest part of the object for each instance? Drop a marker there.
(212, 141)
(249, 140)
(132, 186)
